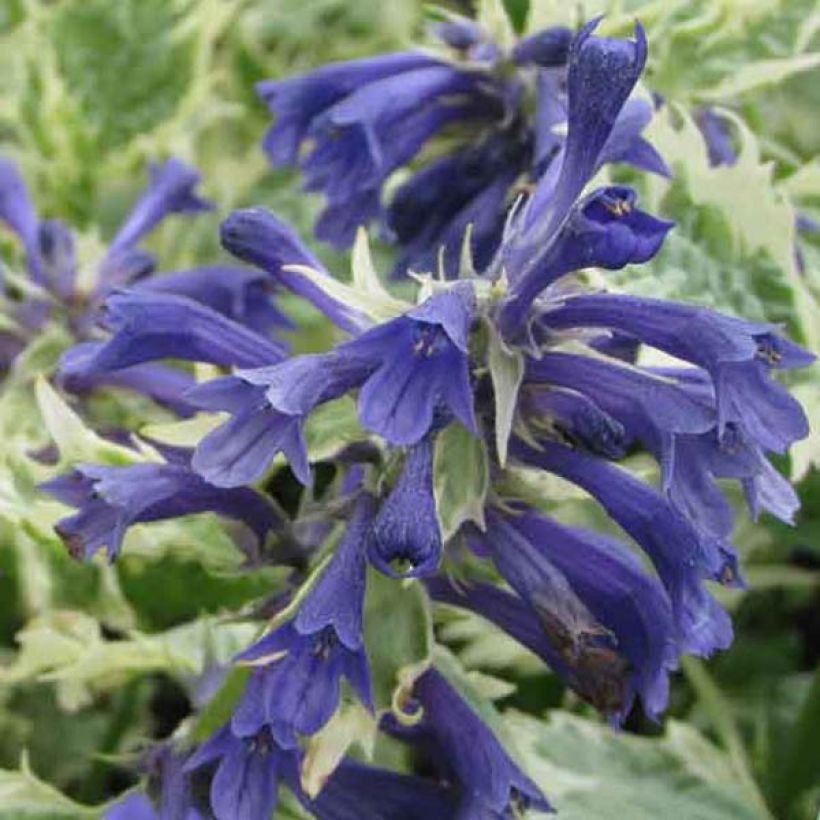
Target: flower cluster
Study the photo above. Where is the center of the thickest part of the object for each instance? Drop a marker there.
(504, 112)
(59, 289)
(517, 355)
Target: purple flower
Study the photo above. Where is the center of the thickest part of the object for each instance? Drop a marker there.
(296, 684)
(363, 120)
(246, 774)
(683, 555)
(351, 125)
(170, 191)
(268, 407)
(17, 211)
(412, 371)
(136, 806)
(738, 355)
(298, 100)
(603, 230)
(149, 326)
(548, 48)
(488, 779)
(717, 137)
(298, 668)
(673, 415)
(258, 237)
(610, 623)
(237, 293)
(166, 385)
(406, 530)
(600, 78)
(423, 369)
(111, 499)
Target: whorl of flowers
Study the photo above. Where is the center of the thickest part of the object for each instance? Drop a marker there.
(516, 353)
(503, 112)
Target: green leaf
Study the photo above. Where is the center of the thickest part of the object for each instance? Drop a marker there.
(590, 772)
(506, 372)
(720, 714)
(377, 307)
(74, 440)
(128, 63)
(332, 427)
(69, 648)
(757, 75)
(518, 12)
(24, 795)
(351, 725)
(795, 768)
(462, 478)
(398, 634)
(219, 708)
(365, 277)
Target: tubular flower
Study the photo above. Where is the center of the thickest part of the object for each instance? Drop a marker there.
(295, 685)
(489, 781)
(112, 499)
(349, 126)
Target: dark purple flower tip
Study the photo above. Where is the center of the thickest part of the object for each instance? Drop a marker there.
(112, 499)
(406, 531)
(488, 778)
(247, 773)
(170, 191)
(57, 257)
(548, 48)
(604, 230)
(256, 236)
(237, 293)
(602, 73)
(296, 683)
(459, 32)
(337, 600)
(151, 326)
